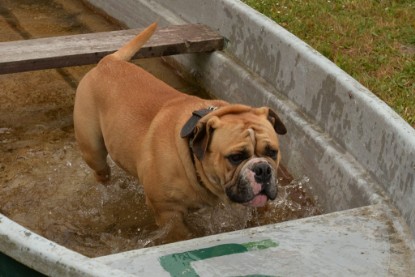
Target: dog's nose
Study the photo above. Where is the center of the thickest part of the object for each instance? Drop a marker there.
(263, 172)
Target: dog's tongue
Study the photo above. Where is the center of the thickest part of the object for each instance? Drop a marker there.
(258, 201)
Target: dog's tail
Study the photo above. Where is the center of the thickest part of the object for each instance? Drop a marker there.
(126, 52)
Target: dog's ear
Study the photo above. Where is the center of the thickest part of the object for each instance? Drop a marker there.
(200, 141)
(203, 135)
(279, 127)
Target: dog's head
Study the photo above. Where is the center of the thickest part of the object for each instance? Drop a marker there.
(237, 151)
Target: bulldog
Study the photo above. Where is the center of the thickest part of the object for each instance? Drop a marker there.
(187, 152)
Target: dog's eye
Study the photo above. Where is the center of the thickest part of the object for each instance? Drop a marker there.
(272, 153)
(236, 159)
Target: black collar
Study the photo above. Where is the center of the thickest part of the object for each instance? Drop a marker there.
(187, 130)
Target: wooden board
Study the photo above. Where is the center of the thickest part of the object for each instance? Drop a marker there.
(55, 52)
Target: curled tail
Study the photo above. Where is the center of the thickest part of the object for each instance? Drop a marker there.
(126, 52)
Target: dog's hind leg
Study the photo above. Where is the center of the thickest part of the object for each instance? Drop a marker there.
(94, 152)
(89, 137)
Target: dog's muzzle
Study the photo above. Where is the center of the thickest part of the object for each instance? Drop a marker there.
(256, 184)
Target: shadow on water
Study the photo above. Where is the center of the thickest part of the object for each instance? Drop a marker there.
(45, 185)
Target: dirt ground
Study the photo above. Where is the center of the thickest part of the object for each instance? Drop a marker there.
(44, 184)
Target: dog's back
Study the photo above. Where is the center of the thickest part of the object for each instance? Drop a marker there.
(111, 98)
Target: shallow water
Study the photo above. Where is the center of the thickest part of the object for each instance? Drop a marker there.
(45, 185)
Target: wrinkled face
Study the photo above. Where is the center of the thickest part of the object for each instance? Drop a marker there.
(242, 157)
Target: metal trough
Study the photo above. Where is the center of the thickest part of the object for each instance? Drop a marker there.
(357, 152)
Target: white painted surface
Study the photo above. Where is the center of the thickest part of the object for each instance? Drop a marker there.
(358, 242)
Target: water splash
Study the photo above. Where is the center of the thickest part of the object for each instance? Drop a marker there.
(70, 208)
(294, 201)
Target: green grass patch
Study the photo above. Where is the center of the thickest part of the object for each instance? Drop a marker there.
(372, 40)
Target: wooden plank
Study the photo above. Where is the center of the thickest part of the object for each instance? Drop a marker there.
(55, 52)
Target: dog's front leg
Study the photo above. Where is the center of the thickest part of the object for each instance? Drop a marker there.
(173, 223)
(170, 217)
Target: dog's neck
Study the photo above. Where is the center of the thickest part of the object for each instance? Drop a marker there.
(193, 158)
(198, 178)
(212, 193)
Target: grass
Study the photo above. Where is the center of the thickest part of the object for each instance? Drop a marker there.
(372, 40)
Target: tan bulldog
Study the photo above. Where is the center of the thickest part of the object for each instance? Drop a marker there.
(187, 152)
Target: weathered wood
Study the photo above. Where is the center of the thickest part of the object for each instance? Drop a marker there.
(55, 52)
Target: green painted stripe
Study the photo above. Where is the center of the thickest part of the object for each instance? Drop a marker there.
(260, 245)
(178, 264)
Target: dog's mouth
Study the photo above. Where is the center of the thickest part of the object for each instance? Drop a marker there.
(261, 197)
(259, 200)
(256, 185)
(247, 194)
(261, 191)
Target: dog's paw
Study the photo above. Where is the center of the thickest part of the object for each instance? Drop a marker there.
(173, 231)
(103, 176)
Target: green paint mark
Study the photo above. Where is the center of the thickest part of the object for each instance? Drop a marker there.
(178, 264)
(260, 245)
